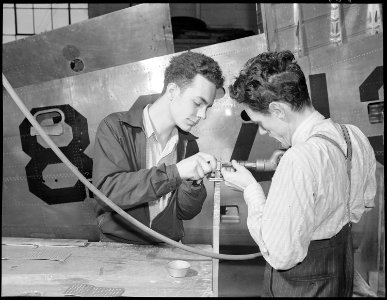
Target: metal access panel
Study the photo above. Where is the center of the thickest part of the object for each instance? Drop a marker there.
(345, 77)
(41, 196)
(348, 79)
(117, 38)
(315, 24)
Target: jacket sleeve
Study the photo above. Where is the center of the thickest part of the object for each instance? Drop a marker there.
(190, 199)
(117, 178)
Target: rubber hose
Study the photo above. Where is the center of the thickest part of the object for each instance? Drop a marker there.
(107, 201)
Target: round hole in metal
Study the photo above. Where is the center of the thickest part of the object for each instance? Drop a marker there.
(77, 65)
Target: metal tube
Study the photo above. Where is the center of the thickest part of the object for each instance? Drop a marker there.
(261, 164)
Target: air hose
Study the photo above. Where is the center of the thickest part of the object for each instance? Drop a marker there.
(107, 201)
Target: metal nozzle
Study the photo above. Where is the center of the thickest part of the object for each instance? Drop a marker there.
(261, 164)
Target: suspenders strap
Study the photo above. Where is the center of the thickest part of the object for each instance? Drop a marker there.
(332, 141)
(349, 149)
(349, 163)
(348, 157)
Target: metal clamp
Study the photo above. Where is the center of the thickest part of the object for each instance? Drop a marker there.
(217, 175)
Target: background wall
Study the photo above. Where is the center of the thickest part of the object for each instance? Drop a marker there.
(98, 9)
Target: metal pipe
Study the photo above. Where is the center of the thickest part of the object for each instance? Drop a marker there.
(263, 165)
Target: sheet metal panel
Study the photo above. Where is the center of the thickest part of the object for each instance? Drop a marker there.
(117, 38)
(281, 29)
(346, 68)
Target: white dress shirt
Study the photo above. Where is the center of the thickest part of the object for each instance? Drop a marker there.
(155, 154)
(309, 190)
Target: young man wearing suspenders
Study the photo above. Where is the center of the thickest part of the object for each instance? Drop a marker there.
(324, 182)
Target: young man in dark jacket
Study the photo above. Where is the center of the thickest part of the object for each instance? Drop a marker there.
(147, 162)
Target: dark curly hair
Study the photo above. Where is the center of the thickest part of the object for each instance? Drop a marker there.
(268, 77)
(183, 68)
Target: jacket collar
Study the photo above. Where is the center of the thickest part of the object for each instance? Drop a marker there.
(134, 116)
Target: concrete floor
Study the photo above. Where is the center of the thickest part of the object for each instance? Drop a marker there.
(241, 278)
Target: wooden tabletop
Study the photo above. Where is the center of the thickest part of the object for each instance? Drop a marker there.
(48, 267)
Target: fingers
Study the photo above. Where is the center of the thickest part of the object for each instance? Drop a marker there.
(205, 166)
(230, 169)
(209, 159)
(235, 165)
(227, 175)
(238, 167)
(200, 172)
(227, 171)
(196, 166)
(232, 186)
(202, 164)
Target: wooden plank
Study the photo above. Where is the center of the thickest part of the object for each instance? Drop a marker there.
(42, 242)
(140, 269)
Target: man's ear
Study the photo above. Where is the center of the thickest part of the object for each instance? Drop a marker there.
(277, 109)
(172, 90)
(220, 92)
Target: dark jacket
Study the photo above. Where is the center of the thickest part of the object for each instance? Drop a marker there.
(120, 173)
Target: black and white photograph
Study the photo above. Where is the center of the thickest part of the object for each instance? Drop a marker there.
(193, 150)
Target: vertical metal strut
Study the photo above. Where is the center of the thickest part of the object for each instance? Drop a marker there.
(215, 227)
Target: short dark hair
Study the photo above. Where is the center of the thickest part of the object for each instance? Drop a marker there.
(183, 68)
(268, 77)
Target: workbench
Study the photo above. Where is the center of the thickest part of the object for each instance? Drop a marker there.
(50, 267)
